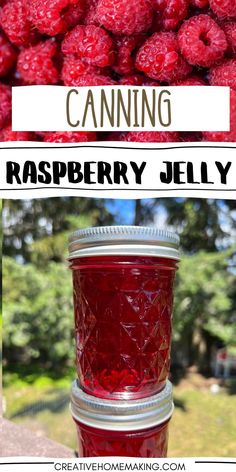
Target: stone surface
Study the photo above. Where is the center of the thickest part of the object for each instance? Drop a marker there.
(18, 441)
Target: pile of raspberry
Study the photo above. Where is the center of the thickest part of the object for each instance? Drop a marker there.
(116, 42)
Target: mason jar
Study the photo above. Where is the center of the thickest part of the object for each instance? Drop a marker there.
(133, 428)
(123, 298)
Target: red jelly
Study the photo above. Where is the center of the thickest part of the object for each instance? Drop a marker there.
(145, 425)
(123, 296)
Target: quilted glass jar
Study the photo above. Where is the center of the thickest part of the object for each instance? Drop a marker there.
(123, 298)
(134, 428)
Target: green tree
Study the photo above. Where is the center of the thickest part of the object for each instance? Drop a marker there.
(38, 316)
(204, 304)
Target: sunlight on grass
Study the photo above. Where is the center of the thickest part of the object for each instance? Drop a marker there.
(203, 423)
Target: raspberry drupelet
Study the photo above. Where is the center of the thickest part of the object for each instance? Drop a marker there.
(200, 3)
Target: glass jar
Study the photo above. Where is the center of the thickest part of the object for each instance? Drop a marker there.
(123, 298)
(134, 428)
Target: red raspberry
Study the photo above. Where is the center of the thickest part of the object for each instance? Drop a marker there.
(229, 29)
(14, 20)
(152, 137)
(223, 8)
(7, 55)
(6, 134)
(200, 3)
(202, 42)
(73, 15)
(170, 13)
(5, 104)
(125, 17)
(90, 13)
(159, 58)
(74, 68)
(192, 80)
(35, 64)
(224, 74)
(132, 79)
(55, 16)
(91, 80)
(225, 136)
(150, 83)
(125, 46)
(91, 43)
(70, 137)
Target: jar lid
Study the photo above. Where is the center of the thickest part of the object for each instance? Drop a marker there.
(124, 240)
(121, 415)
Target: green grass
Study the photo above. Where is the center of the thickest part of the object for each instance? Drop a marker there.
(203, 423)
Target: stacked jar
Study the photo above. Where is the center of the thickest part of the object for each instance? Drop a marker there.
(123, 297)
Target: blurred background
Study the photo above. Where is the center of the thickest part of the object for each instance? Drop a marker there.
(38, 349)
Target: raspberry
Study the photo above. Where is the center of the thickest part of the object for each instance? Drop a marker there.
(159, 58)
(5, 104)
(200, 3)
(91, 80)
(91, 43)
(192, 80)
(70, 137)
(202, 42)
(7, 55)
(229, 29)
(73, 14)
(6, 134)
(152, 137)
(52, 17)
(14, 20)
(150, 83)
(73, 68)
(35, 64)
(223, 8)
(170, 13)
(125, 17)
(90, 13)
(126, 46)
(225, 136)
(132, 79)
(224, 74)
(190, 137)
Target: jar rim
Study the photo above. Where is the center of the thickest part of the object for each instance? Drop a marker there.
(121, 415)
(124, 240)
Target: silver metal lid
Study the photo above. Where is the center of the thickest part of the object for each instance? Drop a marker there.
(120, 415)
(124, 240)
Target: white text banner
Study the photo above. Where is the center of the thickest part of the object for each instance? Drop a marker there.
(123, 108)
(102, 170)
